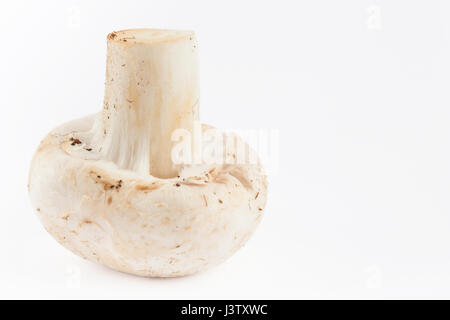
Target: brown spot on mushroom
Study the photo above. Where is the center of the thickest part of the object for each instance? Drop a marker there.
(66, 216)
(177, 184)
(112, 35)
(74, 232)
(147, 187)
(260, 209)
(85, 221)
(187, 228)
(109, 200)
(220, 201)
(206, 201)
(38, 209)
(257, 194)
(107, 182)
(75, 141)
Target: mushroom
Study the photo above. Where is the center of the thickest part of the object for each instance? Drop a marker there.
(107, 187)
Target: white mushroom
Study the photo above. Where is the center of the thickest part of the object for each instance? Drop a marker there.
(107, 188)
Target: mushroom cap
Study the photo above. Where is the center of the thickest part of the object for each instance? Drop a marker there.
(138, 223)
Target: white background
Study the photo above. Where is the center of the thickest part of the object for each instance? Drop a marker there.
(359, 91)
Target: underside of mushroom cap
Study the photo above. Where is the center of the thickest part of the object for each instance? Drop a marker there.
(136, 223)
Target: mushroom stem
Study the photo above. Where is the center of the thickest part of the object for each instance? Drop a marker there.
(151, 90)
